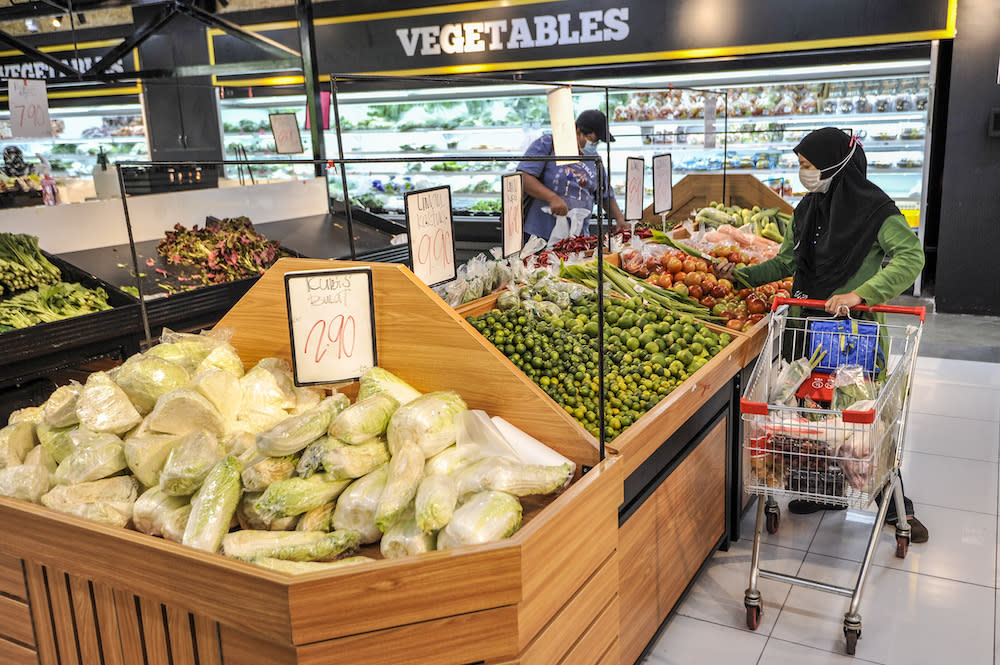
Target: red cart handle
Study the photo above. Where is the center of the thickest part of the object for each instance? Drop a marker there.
(820, 304)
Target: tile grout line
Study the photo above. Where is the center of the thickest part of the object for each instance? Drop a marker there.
(821, 650)
(912, 572)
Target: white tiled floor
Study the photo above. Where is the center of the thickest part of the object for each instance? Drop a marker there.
(939, 605)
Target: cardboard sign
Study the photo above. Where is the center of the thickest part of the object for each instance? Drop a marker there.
(635, 175)
(431, 234)
(29, 109)
(331, 324)
(285, 129)
(512, 215)
(663, 183)
(563, 123)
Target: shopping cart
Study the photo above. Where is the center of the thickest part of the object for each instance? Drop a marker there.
(844, 457)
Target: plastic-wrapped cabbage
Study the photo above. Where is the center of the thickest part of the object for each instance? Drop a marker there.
(341, 460)
(175, 522)
(222, 357)
(259, 420)
(81, 438)
(250, 518)
(27, 482)
(104, 407)
(405, 469)
(295, 433)
(86, 464)
(189, 462)
(16, 441)
(184, 349)
(213, 506)
(299, 567)
(108, 501)
(298, 495)
(364, 420)
(183, 410)
(499, 473)
(306, 397)
(153, 508)
(146, 378)
(450, 460)
(377, 381)
(288, 545)
(264, 471)
(29, 414)
(146, 454)
(484, 518)
(55, 440)
(436, 499)
(242, 445)
(428, 421)
(267, 386)
(59, 409)
(319, 518)
(222, 389)
(40, 456)
(405, 538)
(356, 507)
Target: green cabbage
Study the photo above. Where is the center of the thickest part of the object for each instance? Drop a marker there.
(146, 378)
(428, 421)
(264, 471)
(189, 463)
(27, 482)
(298, 495)
(436, 499)
(376, 381)
(29, 414)
(222, 389)
(213, 506)
(364, 420)
(85, 464)
(188, 351)
(405, 538)
(109, 501)
(341, 460)
(55, 440)
(406, 468)
(319, 518)
(484, 518)
(295, 433)
(59, 409)
(104, 407)
(40, 456)
(223, 357)
(153, 508)
(356, 507)
(289, 545)
(175, 522)
(250, 518)
(183, 410)
(266, 387)
(16, 441)
(146, 454)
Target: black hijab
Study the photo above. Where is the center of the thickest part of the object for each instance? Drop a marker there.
(834, 231)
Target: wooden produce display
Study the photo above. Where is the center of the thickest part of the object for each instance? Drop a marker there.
(697, 190)
(76, 592)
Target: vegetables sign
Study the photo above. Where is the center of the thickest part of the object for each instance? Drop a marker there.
(331, 322)
(430, 231)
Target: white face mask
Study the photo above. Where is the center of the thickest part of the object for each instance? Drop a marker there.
(590, 148)
(811, 178)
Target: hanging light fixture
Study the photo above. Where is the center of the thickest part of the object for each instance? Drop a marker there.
(57, 21)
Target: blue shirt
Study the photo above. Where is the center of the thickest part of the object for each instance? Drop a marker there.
(576, 183)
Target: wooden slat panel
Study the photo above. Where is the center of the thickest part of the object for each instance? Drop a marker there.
(12, 577)
(85, 621)
(15, 654)
(637, 590)
(129, 628)
(15, 621)
(597, 638)
(155, 632)
(181, 638)
(240, 648)
(38, 599)
(62, 616)
(692, 515)
(207, 636)
(107, 623)
(613, 655)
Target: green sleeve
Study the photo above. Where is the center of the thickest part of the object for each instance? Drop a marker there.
(906, 260)
(780, 267)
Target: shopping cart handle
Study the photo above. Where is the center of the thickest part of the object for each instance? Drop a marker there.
(820, 304)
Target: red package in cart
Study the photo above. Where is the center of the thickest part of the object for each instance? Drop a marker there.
(818, 387)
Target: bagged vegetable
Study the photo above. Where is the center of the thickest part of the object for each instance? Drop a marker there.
(146, 378)
(189, 462)
(405, 538)
(377, 381)
(81, 437)
(295, 433)
(183, 410)
(450, 460)
(250, 518)
(791, 377)
(85, 464)
(289, 545)
(104, 407)
(108, 501)
(222, 357)
(499, 473)
(40, 456)
(850, 386)
(146, 454)
(222, 390)
(184, 349)
(299, 567)
(16, 441)
(27, 482)
(59, 410)
(486, 517)
(153, 508)
(436, 499)
(213, 506)
(364, 420)
(306, 397)
(356, 507)
(259, 420)
(241, 445)
(55, 440)
(175, 522)
(405, 469)
(341, 460)
(29, 414)
(266, 387)
(265, 471)
(319, 518)
(298, 495)
(428, 422)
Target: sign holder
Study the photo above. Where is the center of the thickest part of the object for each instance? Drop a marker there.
(663, 184)
(285, 130)
(430, 234)
(512, 213)
(635, 175)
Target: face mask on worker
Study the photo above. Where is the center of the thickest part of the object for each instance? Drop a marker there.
(813, 182)
(590, 148)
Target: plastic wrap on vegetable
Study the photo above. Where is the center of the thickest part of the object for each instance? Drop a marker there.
(850, 386)
(153, 508)
(486, 517)
(147, 378)
(319, 518)
(29, 414)
(289, 545)
(189, 462)
(250, 518)
(428, 421)
(266, 387)
(104, 407)
(146, 454)
(86, 464)
(81, 437)
(40, 456)
(405, 538)
(341, 460)
(306, 397)
(365, 419)
(376, 381)
(295, 433)
(213, 506)
(222, 357)
(242, 445)
(183, 410)
(435, 504)
(791, 377)
(27, 482)
(175, 522)
(264, 471)
(299, 567)
(450, 460)
(55, 440)
(222, 389)
(59, 409)
(259, 420)
(16, 441)
(356, 507)
(298, 495)
(498, 473)
(184, 349)
(108, 501)
(405, 469)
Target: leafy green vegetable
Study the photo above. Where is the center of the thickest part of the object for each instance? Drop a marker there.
(213, 506)
(365, 419)
(428, 421)
(288, 545)
(298, 495)
(484, 518)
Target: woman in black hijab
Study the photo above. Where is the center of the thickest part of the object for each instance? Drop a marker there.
(841, 233)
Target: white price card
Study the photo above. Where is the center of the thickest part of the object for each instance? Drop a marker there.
(285, 129)
(563, 123)
(331, 323)
(512, 214)
(29, 109)
(635, 175)
(663, 183)
(710, 120)
(431, 235)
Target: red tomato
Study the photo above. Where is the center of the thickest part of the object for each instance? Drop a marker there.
(709, 279)
(695, 290)
(674, 264)
(693, 278)
(727, 285)
(709, 301)
(734, 324)
(653, 278)
(755, 318)
(665, 280)
(679, 277)
(756, 306)
(701, 265)
(718, 291)
(689, 265)
(734, 257)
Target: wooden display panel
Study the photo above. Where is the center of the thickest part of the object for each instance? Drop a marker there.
(638, 586)
(16, 654)
(599, 636)
(697, 190)
(12, 577)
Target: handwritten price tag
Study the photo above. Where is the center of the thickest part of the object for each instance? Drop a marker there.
(431, 234)
(663, 183)
(285, 129)
(512, 214)
(29, 109)
(331, 322)
(635, 175)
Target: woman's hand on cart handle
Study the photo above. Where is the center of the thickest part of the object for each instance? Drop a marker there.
(841, 304)
(920, 312)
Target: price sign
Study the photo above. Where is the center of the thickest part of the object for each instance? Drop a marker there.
(635, 173)
(512, 214)
(29, 109)
(563, 123)
(663, 183)
(430, 234)
(285, 129)
(710, 120)
(331, 323)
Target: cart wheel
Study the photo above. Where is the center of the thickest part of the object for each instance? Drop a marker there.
(852, 640)
(902, 544)
(773, 521)
(753, 616)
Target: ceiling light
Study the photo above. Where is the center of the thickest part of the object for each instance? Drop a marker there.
(32, 24)
(57, 21)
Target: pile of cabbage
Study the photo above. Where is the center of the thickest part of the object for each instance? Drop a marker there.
(182, 442)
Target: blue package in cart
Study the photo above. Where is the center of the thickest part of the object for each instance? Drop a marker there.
(846, 342)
